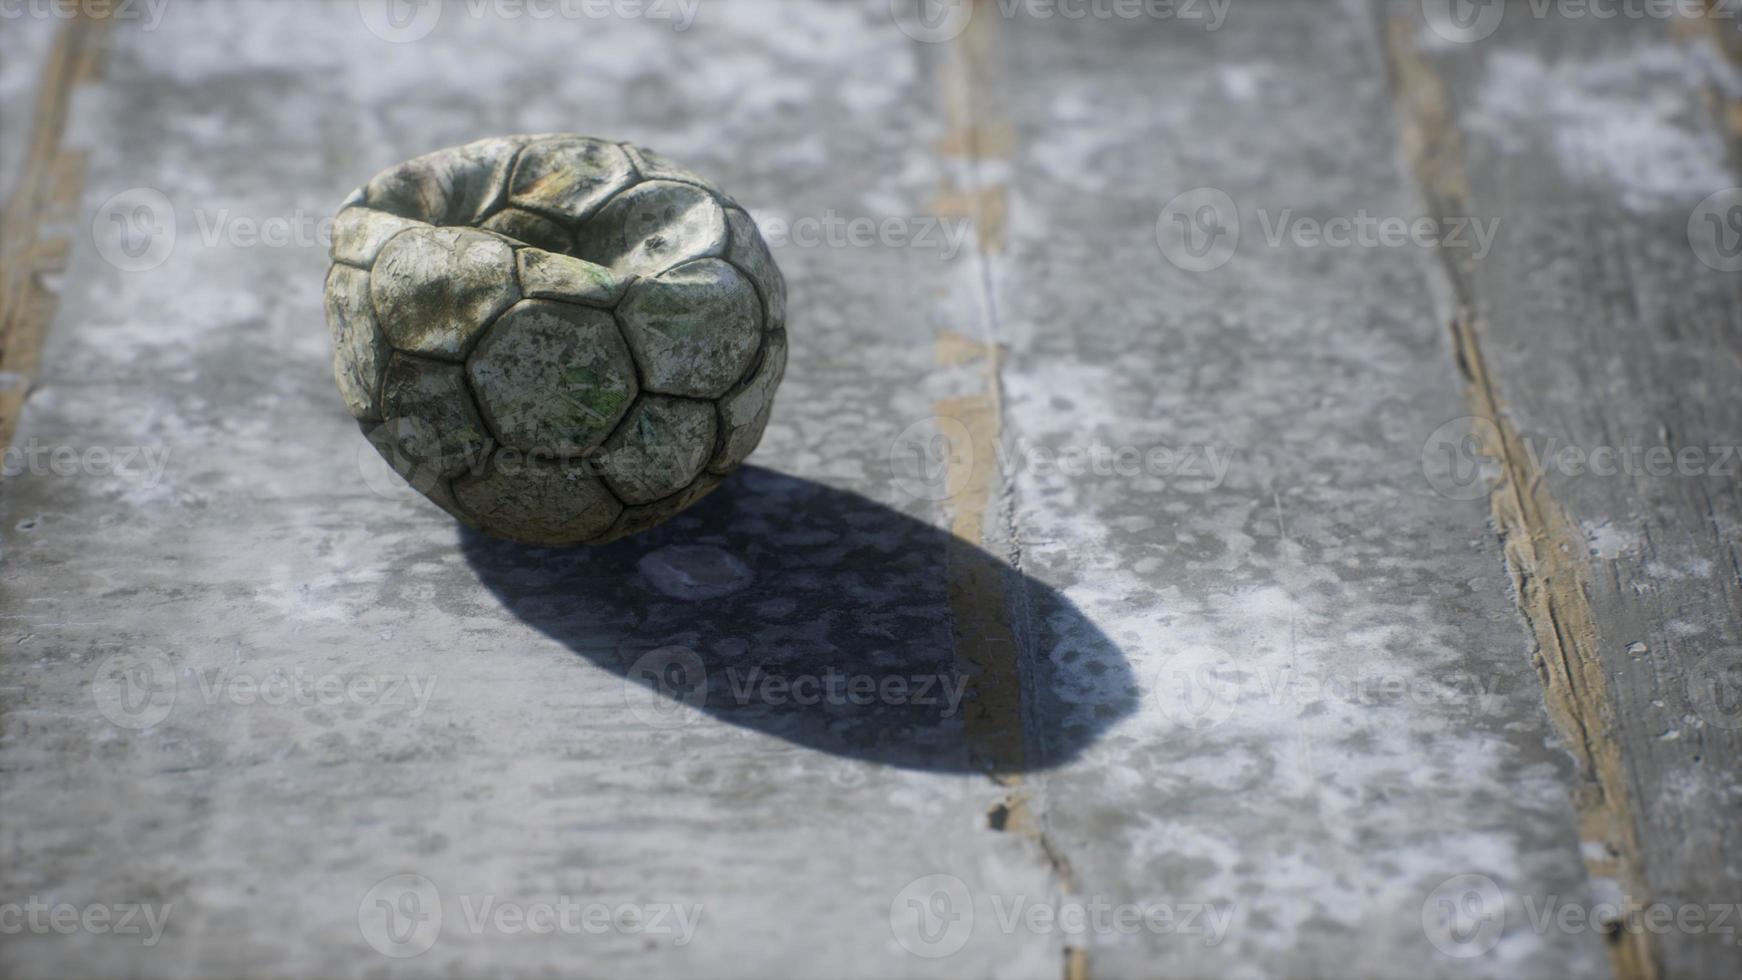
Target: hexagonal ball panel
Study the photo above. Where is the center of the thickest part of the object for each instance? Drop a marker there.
(652, 227)
(694, 329)
(359, 350)
(569, 178)
(449, 187)
(538, 501)
(658, 449)
(547, 275)
(553, 378)
(435, 288)
(555, 338)
(533, 229)
(445, 433)
(744, 413)
(749, 253)
(640, 517)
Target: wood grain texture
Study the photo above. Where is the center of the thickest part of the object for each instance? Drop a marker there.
(34, 243)
(1240, 663)
(1598, 347)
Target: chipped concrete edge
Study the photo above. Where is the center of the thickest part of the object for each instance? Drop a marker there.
(1541, 544)
(49, 191)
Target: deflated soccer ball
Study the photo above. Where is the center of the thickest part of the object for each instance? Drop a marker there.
(557, 339)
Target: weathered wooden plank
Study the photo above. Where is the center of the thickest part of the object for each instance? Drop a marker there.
(42, 179)
(530, 768)
(1338, 722)
(1600, 343)
(1270, 683)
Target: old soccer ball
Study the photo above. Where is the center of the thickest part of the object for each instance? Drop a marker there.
(557, 339)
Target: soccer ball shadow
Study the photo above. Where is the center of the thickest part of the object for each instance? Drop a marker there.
(818, 616)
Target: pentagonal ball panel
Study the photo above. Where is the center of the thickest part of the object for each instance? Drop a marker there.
(694, 329)
(555, 338)
(434, 289)
(553, 378)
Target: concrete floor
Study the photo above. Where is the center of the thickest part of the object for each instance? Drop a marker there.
(1193, 653)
